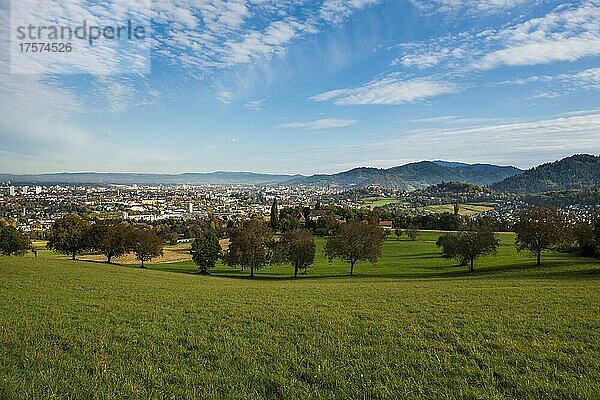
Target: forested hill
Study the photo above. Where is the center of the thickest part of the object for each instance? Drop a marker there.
(576, 172)
(412, 176)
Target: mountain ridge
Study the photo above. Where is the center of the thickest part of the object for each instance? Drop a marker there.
(580, 171)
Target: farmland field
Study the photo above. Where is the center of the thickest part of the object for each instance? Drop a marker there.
(412, 326)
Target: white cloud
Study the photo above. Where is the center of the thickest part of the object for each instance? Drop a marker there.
(388, 91)
(471, 6)
(225, 97)
(455, 120)
(255, 105)
(564, 35)
(321, 124)
(228, 38)
(335, 11)
(568, 33)
(588, 79)
(521, 143)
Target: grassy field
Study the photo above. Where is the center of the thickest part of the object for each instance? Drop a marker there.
(413, 326)
(373, 202)
(465, 209)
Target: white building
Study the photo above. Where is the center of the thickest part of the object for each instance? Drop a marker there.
(38, 190)
(25, 190)
(190, 208)
(12, 191)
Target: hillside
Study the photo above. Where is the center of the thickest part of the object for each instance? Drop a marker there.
(412, 326)
(413, 176)
(456, 188)
(576, 172)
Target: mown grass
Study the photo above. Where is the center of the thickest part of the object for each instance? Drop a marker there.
(407, 259)
(413, 326)
(465, 209)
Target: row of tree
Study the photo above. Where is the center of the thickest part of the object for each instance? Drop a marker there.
(537, 229)
(73, 235)
(252, 246)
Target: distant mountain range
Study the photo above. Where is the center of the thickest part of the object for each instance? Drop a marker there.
(576, 172)
(413, 176)
(92, 178)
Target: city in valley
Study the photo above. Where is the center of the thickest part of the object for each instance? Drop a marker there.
(33, 208)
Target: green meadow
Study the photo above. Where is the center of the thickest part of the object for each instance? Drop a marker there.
(412, 326)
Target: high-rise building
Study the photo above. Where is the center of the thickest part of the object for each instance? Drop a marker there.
(38, 190)
(12, 191)
(190, 208)
(25, 190)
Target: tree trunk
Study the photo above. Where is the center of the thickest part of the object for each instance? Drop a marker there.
(352, 268)
(73, 255)
(252, 272)
(142, 264)
(295, 271)
(109, 258)
(539, 258)
(472, 265)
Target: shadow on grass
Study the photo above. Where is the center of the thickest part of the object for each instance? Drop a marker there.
(553, 269)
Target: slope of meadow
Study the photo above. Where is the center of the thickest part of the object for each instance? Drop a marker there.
(413, 326)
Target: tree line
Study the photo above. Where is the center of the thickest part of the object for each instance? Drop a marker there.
(73, 235)
(253, 244)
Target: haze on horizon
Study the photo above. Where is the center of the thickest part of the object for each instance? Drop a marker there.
(248, 85)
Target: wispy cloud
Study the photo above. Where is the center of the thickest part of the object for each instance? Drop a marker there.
(388, 91)
(321, 124)
(568, 33)
(225, 97)
(523, 143)
(564, 35)
(586, 79)
(255, 105)
(455, 120)
(471, 6)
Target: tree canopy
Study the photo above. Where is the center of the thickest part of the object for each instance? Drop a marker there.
(540, 228)
(356, 241)
(69, 235)
(111, 239)
(206, 250)
(468, 246)
(250, 246)
(146, 245)
(297, 247)
(13, 242)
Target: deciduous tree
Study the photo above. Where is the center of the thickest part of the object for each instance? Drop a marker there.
(468, 246)
(250, 246)
(412, 233)
(13, 242)
(146, 245)
(69, 235)
(298, 248)
(540, 228)
(111, 239)
(206, 250)
(398, 233)
(356, 241)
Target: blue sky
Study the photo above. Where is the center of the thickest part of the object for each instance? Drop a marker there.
(313, 86)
